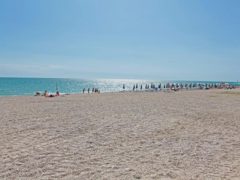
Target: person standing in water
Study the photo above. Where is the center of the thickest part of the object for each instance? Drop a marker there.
(57, 93)
(159, 86)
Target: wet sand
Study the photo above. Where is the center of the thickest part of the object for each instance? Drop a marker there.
(175, 135)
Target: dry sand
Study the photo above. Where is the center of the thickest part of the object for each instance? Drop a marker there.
(181, 135)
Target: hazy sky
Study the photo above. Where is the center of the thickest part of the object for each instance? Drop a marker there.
(150, 39)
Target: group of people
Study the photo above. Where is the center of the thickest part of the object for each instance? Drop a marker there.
(152, 86)
(47, 94)
(179, 86)
(94, 90)
(147, 86)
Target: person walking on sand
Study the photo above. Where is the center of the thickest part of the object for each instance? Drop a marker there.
(83, 90)
(88, 90)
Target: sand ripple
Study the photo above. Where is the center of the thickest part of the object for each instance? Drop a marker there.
(183, 135)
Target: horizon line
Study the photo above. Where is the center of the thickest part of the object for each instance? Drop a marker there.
(135, 79)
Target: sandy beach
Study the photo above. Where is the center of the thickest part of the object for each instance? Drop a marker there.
(158, 135)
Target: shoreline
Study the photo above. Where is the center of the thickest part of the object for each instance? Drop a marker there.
(128, 91)
(29, 86)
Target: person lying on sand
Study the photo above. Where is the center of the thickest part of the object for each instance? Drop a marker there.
(46, 94)
(37, 94)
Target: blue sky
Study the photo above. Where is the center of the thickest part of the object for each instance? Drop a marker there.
(141, 39)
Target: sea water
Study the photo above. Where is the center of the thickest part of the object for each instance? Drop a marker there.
(28, 86)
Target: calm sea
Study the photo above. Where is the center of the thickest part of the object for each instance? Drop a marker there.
(28, 86)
